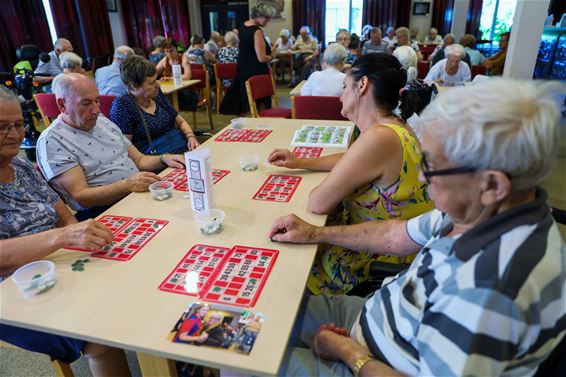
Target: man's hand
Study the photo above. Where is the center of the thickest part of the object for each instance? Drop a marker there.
(140, 182)
(283, 158)
(192, 143)
(202, 337)
(176, 161)
(291, 228)
(331, 346)
(89, 234)
(332, 327)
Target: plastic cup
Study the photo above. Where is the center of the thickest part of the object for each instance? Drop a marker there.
(249, 162)
(35, 278)
(210, 222)
(162, 190)
(237, 123)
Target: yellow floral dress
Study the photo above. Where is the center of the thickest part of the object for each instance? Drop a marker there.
(336, 269)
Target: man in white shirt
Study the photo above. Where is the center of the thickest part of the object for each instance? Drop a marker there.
(53, 67)
(375, 43)
(108, 79)
(328, 82)
(433, 37)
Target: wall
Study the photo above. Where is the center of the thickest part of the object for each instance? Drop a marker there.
(422, 22)
(276, 24)
(117, 26)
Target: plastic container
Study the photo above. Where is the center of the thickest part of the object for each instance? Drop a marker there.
(249, 162)
(237, 123)
(210, 222)
(162, 190)
(35, 278)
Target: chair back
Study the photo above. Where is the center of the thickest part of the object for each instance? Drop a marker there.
(47, 105)
(106, 103)
(225, 71)
(197, 67)
(202, 75)
(478, 70)
(422, 69)
(261, 86)
(316, 107)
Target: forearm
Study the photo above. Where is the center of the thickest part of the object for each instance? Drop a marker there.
(325, 163)
(102, 195)
(372, 368)
(65, 216)
(150, 163)
(184, 127)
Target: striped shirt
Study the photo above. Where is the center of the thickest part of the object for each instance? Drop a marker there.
(491, 301)
(52, 67)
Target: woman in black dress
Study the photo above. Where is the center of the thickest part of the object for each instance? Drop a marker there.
(254, 58)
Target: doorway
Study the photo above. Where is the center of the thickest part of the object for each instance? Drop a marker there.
(222, 16)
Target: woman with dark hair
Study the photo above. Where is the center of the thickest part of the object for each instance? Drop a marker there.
(145, 116)
(376, 179)
(254, 56)
(171, 58)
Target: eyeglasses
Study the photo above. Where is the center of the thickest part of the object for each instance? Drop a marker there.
(431, 173)
(6, 128)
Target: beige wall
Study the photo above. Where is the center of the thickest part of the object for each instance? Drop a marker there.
(422, 22)
(276, 24)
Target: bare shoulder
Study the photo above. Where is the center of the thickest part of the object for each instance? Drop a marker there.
(379, 136)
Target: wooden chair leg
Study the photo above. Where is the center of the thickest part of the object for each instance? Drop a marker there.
(62, 369)
(194, 119)
(218, 90)
(209, 115)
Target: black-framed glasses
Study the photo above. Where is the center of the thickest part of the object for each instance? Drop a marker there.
(5, 129)
(431, 173)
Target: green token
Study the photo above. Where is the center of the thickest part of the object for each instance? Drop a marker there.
(36, 276)
(216, 289)
(86, 260)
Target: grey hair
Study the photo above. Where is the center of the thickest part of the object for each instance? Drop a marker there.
(408, 59)
(60, 42)
(135, 69)
(62, 85)
(6, 95)
(390, 29)
(70, 60)
(375, 30)
(122, 52)
(334, 54)
(158, 41)
(285, 33)
(455, 50)
(231, 39)
(305, 28)
(449, 36)
(262, 10)
(342, 31)
(500, 124)
(403, 30)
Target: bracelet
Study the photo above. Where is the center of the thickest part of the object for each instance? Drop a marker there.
(188, 135)
(360, 362)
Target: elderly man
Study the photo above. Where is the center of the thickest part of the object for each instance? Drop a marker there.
(71, 62)
(450, 70)
(307, 50)
(375, 43)
(486, 293)
(343, 38)
(52, 68)
(402, 35)
(415, 31)
(433, 37)
(329, 81)
(108, 79)
(86, 158)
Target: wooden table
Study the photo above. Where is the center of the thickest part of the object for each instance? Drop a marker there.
(286, 56)
(296, 91)
(118, 303)
(170, 90)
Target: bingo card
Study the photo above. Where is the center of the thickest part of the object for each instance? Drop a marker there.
(278, 188)
(179, 178)
(243, 136)
(307, 152)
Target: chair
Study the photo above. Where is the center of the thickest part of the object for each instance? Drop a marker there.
(106, 104)
(60, 368)
(47, 106)
(262, 86)
(197, 67)
(478, 70)
(223, 71)
(422, 69)
(316, 107)
(203, 88)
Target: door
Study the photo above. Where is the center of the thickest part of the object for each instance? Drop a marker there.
(223, 17)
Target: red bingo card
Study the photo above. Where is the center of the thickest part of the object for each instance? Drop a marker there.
(243, 136)
(307, 152)
(179, 178)
(278, 188)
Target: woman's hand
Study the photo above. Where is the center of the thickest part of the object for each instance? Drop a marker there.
(89, 234)
(283, 158)
(192, 142)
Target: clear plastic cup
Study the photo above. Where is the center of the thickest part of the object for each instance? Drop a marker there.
(35, 278)
(238, 123)
(249, 162)
(161, 190)
(210, 222)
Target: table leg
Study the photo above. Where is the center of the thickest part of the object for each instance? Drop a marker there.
(156, 366)
(175, 101)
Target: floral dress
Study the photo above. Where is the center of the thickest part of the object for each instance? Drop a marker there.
(336, 270)
(228, 55)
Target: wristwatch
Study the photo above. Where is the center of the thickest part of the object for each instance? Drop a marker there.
(360, 362)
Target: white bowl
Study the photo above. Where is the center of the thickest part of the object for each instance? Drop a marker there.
(210, 222)
(35, 278)
(249, 162)
(161, 190)
(238, 123)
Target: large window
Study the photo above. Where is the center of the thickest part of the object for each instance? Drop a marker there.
(343, 14)
(496, 18)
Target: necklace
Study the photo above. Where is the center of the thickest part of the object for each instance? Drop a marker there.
(145, 106)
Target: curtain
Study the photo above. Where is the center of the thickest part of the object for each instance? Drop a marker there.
(85, 24)
(311, 13)
(442, 13)
(385, 13)
(175, 15)
(22, 22)
(474, 16)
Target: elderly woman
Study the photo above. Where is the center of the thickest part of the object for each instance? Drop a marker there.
(376, 179)
(197, 54)
(438, 54)
(71, 62)
(158, 53)
(450, 70)
(343, 38)
(230, 53)
(283, 43)
(34, 223)
(329, 81)
(390, 35)
(486, 294)
(469, 43)
(402, 35)
(145, 116)
(409, 60)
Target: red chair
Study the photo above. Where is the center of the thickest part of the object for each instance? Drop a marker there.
(47, 105)
(422, 69)
(197, 67)
(262, 86)
(316, 107)
(478, 70)
(223, 71)
(203, 87)
(106, 104)
(426, 50)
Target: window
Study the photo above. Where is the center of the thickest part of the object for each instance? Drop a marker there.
(343, 14)
(496, 18)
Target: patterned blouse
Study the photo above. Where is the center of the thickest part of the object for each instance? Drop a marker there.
(228, 55)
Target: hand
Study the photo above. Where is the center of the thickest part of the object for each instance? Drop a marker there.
(332, 327)
(192, 142)
(329, 345)
(140, 182)
(89, 234)
(292, 229)
(176, 161)
(283, 158)
(203, 337)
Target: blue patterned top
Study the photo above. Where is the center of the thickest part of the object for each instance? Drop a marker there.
(26, 204)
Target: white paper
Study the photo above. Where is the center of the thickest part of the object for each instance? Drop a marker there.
(199, 176)
(322, 136)
(177, 75)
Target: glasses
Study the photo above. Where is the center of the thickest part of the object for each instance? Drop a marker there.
(452, 171)
(5, 129)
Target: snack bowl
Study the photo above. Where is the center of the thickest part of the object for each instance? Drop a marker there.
(161, 190)
(249, 162)
(238, 123)
(35, 278)
(210, 222)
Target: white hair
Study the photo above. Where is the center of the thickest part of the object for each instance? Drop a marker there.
(306, 29)
(408, 59)
(63, 85)
(231, 39)
(285, 33)
(70, 60)
(6, 95)
(500, 124)
(60, 42)
(334, 54)
(122, 52)
(455, 50)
